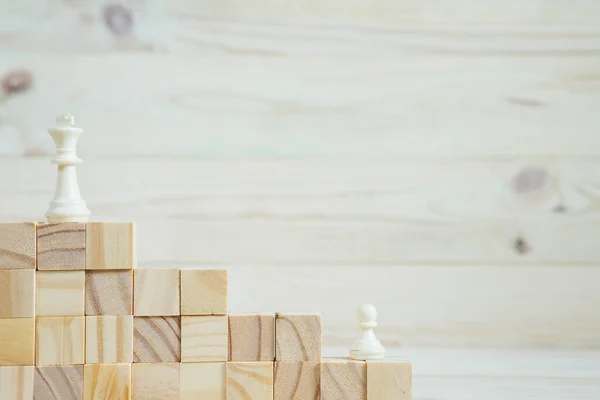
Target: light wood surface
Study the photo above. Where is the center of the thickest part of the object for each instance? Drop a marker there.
(59, 340)
(499, 374)
(155, 381)
(204, 292)
(59, 382)
(18, 343)
(106, 381)
(17, 293)
(60, 293)
(16, 383)
(61, 246)
(403, 92)
(109, 293)
(156, 339)
(389, 380)
(444, 305)
(108, 339)
(156, 292)
(249, 380)
(296, 380)
(298, 337)
(203, 380)
(17, 246)
(381, 227)
(204, 338)
(343, 379)
(251, 337)
(110, 245)
(398, 135)
(322, 212)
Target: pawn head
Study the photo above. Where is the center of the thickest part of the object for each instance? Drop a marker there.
(366, 313)
(65, 120)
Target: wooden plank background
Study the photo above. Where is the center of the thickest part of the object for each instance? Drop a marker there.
(439, 160)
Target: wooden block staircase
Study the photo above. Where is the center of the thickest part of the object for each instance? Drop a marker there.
(79, 321)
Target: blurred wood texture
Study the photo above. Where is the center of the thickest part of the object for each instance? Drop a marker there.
(494, 374)
(439, 160)
(452, 252)
(328, 78)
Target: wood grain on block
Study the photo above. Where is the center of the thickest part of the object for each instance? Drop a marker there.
(16, 383)
(252, 337)
(204, 338)
(204, 380)
(298, 337)
(58, 383)
(155, 381)
(203, 292)
(108, 339)
(60, 340)
(60, 293)
(343, 379)
(389, 380)
(61, 246)
(108, 293)
(156, 292)
(299, 380)
(250, 380)
(106, 382)
(110, 245)
(17, 245)
(17, 293)
(17, 341)
(156, 339)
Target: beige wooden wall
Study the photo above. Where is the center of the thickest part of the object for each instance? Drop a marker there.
(439, 159)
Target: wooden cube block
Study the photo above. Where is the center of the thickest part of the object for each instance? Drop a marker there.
(17, 245)
(298, 337)
(202, 381)
(60, 340)
(156, 292)
(17, 341)
(60, 293)
(252, 337)
(16, 383)
(109, 339)
(107, 382)
(204, 338)
(17, 293)
(249, 380)
(156, 339)
(61, 246)
(298, 380)
(389, 380)
(203, 292)
(58, 382)
(110, 245)
(155, 381)
(108, 293)
(343, 379)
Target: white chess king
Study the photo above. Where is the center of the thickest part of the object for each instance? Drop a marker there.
(67, 205)
(367, 347)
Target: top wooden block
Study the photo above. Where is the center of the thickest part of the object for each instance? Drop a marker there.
(17, 245)
(298, 337)
(110, 245)
(203, 291)
(61, 246)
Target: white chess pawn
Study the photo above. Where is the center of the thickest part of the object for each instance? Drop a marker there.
(367, 347)
(67, 206)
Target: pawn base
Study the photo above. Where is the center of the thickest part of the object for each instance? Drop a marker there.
(357, 355)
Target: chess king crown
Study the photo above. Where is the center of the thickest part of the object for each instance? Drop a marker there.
(79, 320)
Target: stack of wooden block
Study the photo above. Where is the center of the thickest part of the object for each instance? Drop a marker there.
(78, 321)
